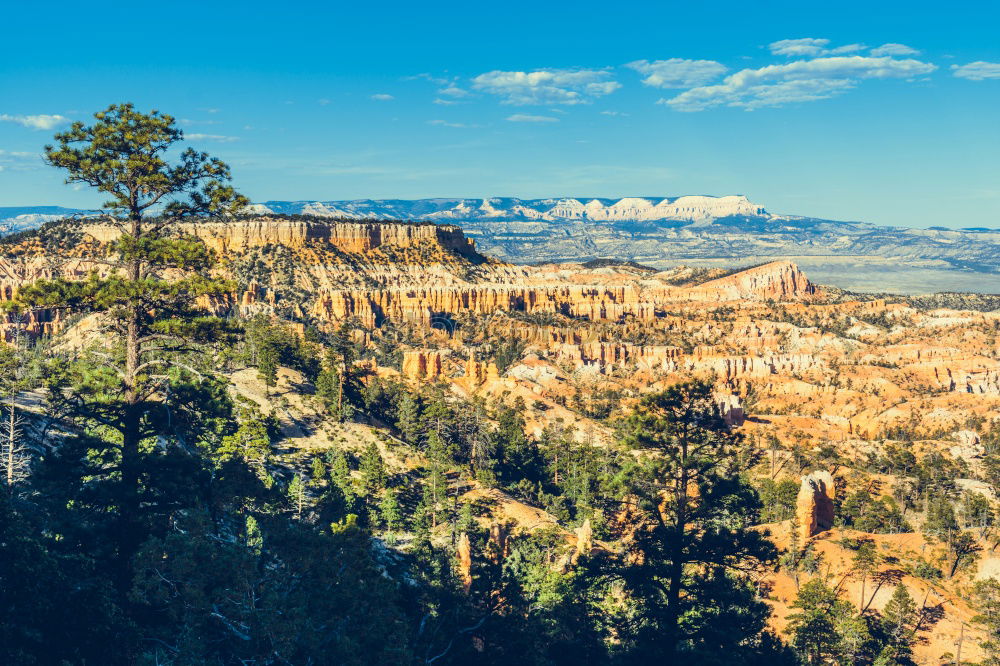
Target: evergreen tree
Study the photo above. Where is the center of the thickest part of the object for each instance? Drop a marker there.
(317, 472)
(340, 475)
(408, 418)
(150, 309)
(390, 511)
(693, 536)
(297, 495)
(986, 596)
(898, 619)
(373, 474)
(865, 563)
(251, 443)
(437, 479)
(814, 626)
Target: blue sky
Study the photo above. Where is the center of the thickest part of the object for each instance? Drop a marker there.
(885, 112)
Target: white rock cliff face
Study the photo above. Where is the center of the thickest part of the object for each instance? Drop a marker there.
(597, 210)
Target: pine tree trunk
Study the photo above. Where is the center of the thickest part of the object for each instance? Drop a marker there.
(131, 417)
(11, 461)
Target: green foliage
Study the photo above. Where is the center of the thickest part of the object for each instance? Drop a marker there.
(692, 539)
(317, 471)
(814, 627)
(197, 585)
(373, 473)
(898, 619)
(390, 511)
(777, 499)
(986, 596)
(867, 511)
(251, 443)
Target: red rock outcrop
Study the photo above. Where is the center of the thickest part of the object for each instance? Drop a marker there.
(814, 504)
(421, 365)
(464, 555)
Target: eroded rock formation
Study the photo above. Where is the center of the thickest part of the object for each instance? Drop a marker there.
(814, 504)
(421, 365)
(463, 552)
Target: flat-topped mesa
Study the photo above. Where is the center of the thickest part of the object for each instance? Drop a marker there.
(355, 237)
(777, 280)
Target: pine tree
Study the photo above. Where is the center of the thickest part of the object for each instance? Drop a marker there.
(297, 495)
(694, 532)
(340, 475)
(317, 473)
(865, 564)
(408, 418)
(390, 511)
(437, 479)
(898, 619)
(373, 474)
(986, 596)
(15, 454)
(814, 626)
(155, 272)
(250, 443)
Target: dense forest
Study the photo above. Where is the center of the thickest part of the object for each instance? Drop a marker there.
(149, 515)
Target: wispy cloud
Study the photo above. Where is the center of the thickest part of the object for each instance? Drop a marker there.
(382, 97)
(977, 71)
(614, 113)
(799, 81)
(454, 91)
(37, 122)
(528, 118)
(678, 72)
(547, 86)
(221, 138)
(446, 123)
(189, 122)
(18, 160)
(810, 47)
(894, 50)
(427, 76)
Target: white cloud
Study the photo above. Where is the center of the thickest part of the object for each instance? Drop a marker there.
(382, 97)
(614, 113)
(188, 122)
(547, 86)
(977, 71)
(678, 72)
(528, 118)
(221, 138)
(18, 161)
(454, 91)
(426, 76)
(799, 81)
(806, 46)
(38, 122)
(810, 47)
(445, 123)
(894, 50)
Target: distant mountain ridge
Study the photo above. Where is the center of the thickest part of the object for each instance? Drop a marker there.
(509, 208)
(665, 231)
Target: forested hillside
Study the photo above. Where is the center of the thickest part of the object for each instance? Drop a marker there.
(244, 439)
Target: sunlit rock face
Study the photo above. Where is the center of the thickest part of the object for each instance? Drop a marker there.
(814, 504)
